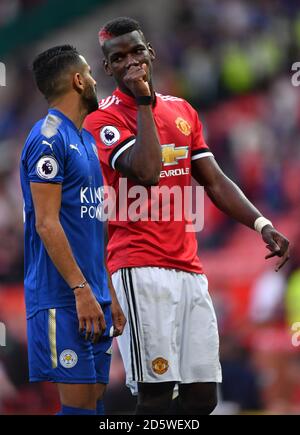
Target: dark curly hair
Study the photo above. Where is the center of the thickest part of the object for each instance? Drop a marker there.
(49, 67)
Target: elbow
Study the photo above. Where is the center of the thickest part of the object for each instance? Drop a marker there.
(148, 176)
(43, 227)
(143, 171)
(146, 180)
(40, 228)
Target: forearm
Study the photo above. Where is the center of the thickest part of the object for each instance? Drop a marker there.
(59, 250)
(110, 285)
(145, 157)
(229, 198)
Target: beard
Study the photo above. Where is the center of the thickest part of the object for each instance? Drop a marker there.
(90, 99)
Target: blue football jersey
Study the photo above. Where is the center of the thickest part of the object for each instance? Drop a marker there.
(57, 152)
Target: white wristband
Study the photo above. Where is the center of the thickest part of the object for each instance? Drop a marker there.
(260, 223)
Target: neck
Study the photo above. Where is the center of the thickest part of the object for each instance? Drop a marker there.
(72, 109)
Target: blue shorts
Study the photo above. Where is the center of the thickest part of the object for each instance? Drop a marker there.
(57, 352)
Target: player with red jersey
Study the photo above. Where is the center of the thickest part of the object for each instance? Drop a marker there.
(146, 139)
(179, 131)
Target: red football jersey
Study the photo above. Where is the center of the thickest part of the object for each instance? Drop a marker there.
(146, 242)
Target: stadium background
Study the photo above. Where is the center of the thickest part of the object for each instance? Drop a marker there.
(232, 60)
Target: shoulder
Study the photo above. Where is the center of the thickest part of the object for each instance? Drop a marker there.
(45, 138)
(109, 102)
(47, 129)
(169, 98)
(87, 135)
(51, 126)
(108, 113)
(177, 102)
(108, 107)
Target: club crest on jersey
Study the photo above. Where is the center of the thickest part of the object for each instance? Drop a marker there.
(160, 365)
(183, 126)
(109, 135)
(68, 358)
(47, 167)
(170, 154)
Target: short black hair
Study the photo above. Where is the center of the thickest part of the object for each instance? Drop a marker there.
(118, 27)
(49, 66)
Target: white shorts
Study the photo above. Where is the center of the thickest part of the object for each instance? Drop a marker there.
(171, 333)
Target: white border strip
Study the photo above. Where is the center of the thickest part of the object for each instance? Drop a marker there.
(121, 150)
(199, 156)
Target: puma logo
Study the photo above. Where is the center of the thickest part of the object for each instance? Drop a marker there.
(49, 144)
(75, 147)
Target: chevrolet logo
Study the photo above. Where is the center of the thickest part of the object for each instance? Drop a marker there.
(170, 154)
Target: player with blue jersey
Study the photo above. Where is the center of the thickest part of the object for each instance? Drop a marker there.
(71, 306)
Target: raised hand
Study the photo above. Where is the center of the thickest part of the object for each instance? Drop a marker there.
(278, 244)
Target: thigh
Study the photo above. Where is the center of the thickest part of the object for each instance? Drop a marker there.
(199, 338)
(78, 395)
(155, 394)
(57, 351)
(102, 351)
(125, 343)
(150, 297)
(198, 398)
(202, 393)
(99, 391)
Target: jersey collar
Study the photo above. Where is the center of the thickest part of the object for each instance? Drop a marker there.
(127, 99)
(60, 115)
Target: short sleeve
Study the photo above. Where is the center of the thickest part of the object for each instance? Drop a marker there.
(111, 134)
(199, 147)
(44, 159)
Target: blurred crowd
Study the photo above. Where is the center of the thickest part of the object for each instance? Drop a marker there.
(232, 60)
(11, 9)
